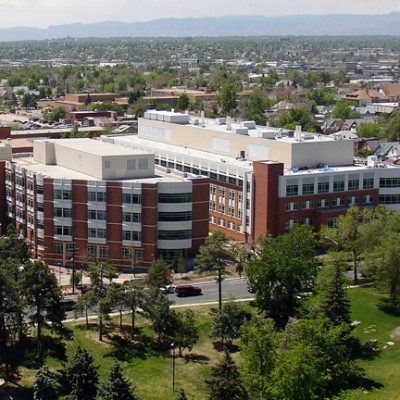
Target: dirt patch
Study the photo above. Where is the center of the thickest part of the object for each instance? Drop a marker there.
(396, 333)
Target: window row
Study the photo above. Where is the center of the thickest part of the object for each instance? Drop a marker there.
(338, 186)
(324, 203)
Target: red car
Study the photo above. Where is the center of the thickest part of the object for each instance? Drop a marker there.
(187, 290)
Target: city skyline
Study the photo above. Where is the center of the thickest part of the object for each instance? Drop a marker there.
(45, 13)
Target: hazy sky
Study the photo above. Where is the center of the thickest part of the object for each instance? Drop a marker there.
(42, 13)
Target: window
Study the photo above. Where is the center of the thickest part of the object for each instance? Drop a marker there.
(63, 212)
(212, 205)
(131, 217)
(352, 200)
(107, 164)
(292, 206)
(131, 164)
(338, 202)
(174, 216)
(331, 223)
(39, 224)
(40, 207)
(338, 186)
(389, 199)
(97, 233)
(221, 208)
(132, 236)
(60, 230)
(322, 203)
(231, 195)
(231, 211)
(308, 188)
(97, 196)
(231, 226)
(57, 248)
(62, 194)
(221, 222)
(175, 235)
(368, 183)
(353, 184)
(308, 221)
(323, 187)
(39, 189)
(20, 181)
(30, 185)
(97, 215)
(389, 182)
(213, 176)
(222, 178)
(143, 163)
(306, 205)
(103, 251)
(367, 199)
(221, 192)
(92, 250)
(129, 198)
(292, 190)
(232, 180)
(289, 223)
(175, 197)
(247, 204)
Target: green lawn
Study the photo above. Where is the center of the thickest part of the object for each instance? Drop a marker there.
(383, 368)
(150, 369)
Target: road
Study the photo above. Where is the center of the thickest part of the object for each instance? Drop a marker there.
(231, 289)
(234, 288)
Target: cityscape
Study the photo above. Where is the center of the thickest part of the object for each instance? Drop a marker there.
(200, 217)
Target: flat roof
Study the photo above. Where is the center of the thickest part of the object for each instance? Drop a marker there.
(57, 172)
(93, 146)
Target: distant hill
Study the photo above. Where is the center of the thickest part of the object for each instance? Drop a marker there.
(309, 25)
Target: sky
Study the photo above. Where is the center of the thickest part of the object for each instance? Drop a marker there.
(43, 13)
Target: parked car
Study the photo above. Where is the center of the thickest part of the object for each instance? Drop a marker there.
(187, 290)
(167, 289)
(68, 303)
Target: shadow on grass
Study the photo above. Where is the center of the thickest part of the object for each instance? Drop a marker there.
(357, 382)
(228, 345)
(124, 349)
(196, 358)
(93, 326)
(387, 306)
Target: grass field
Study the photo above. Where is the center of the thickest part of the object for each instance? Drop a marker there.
(383, 367)
(150, 368)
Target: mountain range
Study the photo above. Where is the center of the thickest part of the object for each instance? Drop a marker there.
(297, 25)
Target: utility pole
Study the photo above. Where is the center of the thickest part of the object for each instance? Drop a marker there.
(73, 264)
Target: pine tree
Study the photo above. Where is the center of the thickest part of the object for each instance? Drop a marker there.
(181, 395)
(45, 385)
(116, 386)
(331, 299)
(83, 376)
(226, 383)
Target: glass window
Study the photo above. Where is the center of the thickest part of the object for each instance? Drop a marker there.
(323, 187)
(338, 186)
(175, 197)
(175, 235)
(292, 190)
(135, 236)
(308, 188)
(129, 198)
(57, 248)
(175, 216)
(368, 183)
(97, 196)
(143, 163)
(353, 184)
(131, 164)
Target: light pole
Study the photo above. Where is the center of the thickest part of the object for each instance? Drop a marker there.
(173, 366)
(333, 241)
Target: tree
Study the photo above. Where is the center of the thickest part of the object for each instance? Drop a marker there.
(227, 322)
(214, 257)
(392, 128)
(369, 130)
(350, 233)
(383, 266)
(183, 102)
(343, 110)
(55, 114)
(43, 298)
(97, 272)
(13, 246)
(158, 274)
(85, 302)
(83, 376)
(181, 395)
(225, 382)
(45, 385)
(295, 117)
(116, 386)
(134, 298)
(227, 98)
(259, 348)
(283, 269)
(164, 320)
(180, 265)
(331, 297)
(117, 300)
(186, 333)
(256, 107)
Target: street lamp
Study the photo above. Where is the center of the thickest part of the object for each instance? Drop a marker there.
(333, 241)
(173, 366)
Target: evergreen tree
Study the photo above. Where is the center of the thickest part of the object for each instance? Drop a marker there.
(181, 395)
(83, 376)
(158, 274)
(45, 385)
(331, 298)
(187, 333)
(225, 382)
(116, 386)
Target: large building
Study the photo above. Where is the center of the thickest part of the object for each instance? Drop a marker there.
(75, 199)
(264, 179)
